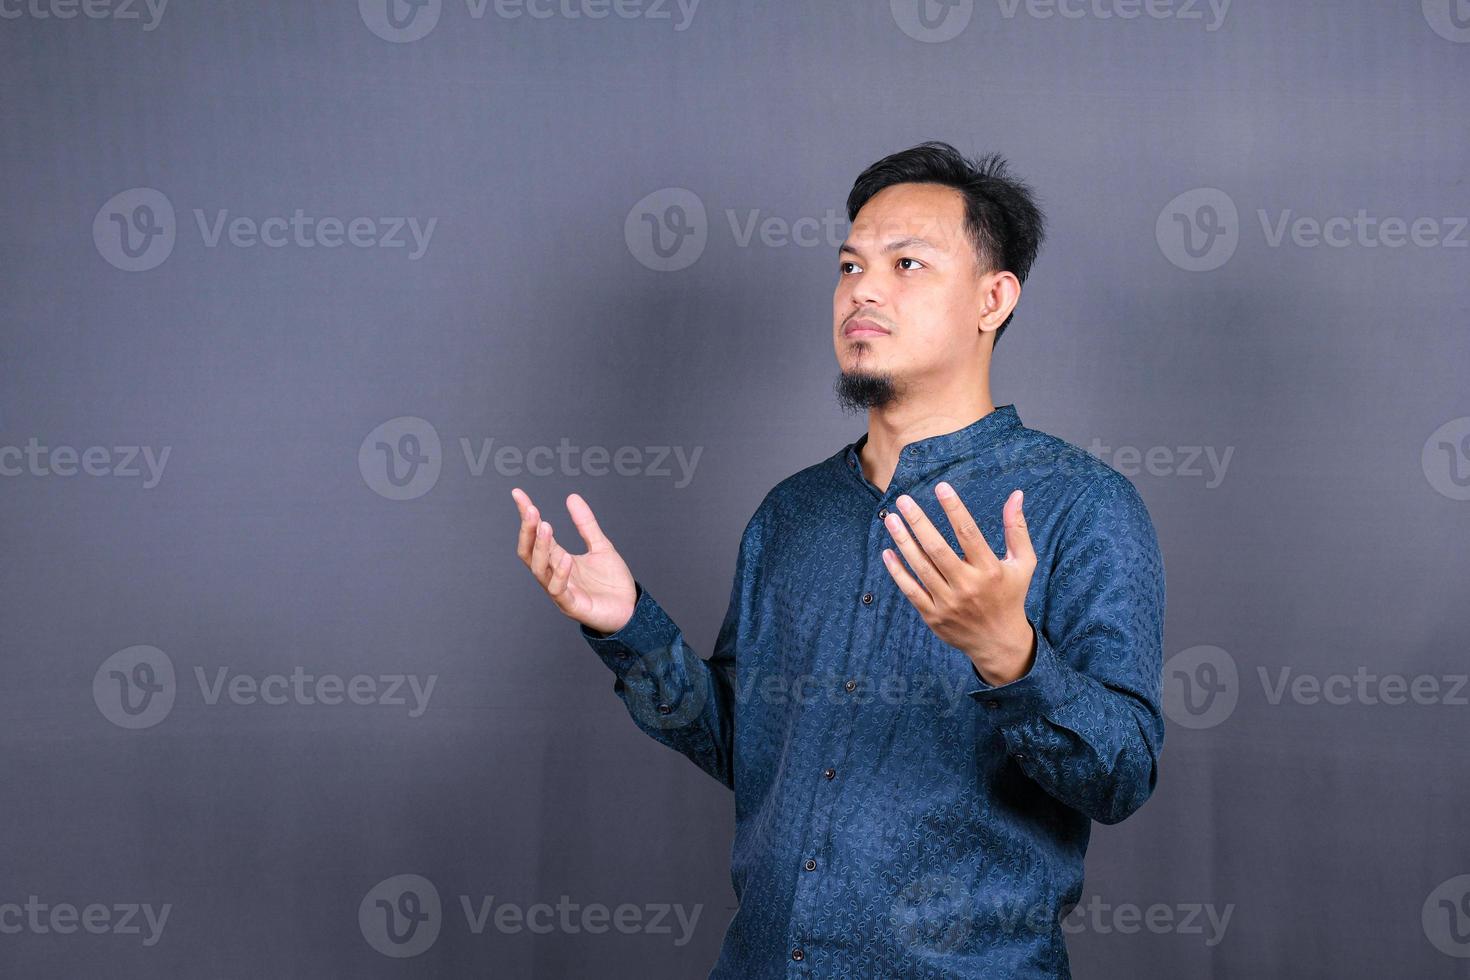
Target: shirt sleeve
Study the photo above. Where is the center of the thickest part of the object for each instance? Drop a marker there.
(1085, 722)
(674, 695)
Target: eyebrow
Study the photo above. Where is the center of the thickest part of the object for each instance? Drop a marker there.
(894, 246)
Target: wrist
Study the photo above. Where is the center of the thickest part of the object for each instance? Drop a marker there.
(1010, 659)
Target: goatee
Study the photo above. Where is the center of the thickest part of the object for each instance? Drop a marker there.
(863, 390)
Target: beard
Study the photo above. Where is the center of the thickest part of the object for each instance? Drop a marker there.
(862, 390)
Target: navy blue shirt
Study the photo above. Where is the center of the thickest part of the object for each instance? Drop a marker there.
(896, 815)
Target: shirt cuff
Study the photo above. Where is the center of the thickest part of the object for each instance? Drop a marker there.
(648, 630)
(1043, 688)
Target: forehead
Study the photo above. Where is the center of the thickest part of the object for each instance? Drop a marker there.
(934, 212)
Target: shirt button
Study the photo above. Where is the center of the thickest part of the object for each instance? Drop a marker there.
(867, 598)
(850, 686)
(1019, 756)
(829, 772)
(810, 865)
(664, 709)
(992, 704)
(883, 514)
(798, 954)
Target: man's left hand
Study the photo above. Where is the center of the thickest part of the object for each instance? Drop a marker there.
(977, 603)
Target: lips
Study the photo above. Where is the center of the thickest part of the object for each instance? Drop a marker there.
(863, 328)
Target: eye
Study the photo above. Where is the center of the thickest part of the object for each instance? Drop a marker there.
(843, 266)
(915, 261)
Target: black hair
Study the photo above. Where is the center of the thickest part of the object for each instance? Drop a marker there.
(1002, 219)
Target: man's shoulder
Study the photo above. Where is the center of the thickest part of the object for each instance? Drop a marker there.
(1069, 468)
(809, 483)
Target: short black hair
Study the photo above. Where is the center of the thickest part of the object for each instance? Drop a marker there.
(1002, 218)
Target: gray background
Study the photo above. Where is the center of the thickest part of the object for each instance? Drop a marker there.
(1333, 543)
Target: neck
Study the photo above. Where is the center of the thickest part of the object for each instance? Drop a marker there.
(894, 426)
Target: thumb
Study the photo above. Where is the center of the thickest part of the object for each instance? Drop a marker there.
(1018, 539)
(586, 524)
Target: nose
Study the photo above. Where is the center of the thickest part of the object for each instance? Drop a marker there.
(867, 292)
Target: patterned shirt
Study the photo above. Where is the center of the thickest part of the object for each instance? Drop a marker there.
(896, 815)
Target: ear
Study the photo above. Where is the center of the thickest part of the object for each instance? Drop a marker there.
(1000, 292)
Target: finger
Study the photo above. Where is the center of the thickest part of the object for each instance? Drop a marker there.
(1018, 538)
(966, 529)
(935, 547)
(923, 568)
(529, 519)
(558, 584)
(907, 584)
(541, 552)
(554, 553)
(586, 524)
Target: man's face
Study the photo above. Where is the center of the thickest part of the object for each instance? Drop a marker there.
(909, 297)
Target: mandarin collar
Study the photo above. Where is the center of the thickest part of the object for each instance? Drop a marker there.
(980, 434)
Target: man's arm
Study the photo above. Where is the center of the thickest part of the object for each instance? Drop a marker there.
(679, 699)
(1085, 722)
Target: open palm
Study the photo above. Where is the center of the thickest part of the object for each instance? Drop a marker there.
(594, 588)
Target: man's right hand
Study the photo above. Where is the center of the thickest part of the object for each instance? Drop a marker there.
(596, 588)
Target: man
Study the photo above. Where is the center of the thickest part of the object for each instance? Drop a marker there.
(918, 723)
